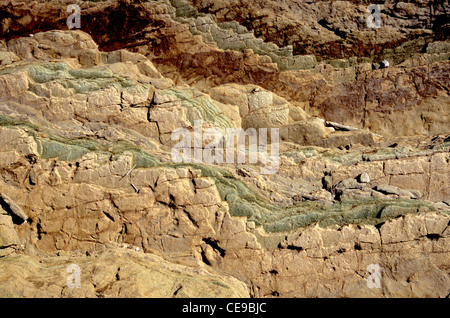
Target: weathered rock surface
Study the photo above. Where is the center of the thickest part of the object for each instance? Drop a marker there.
(118, 272)
(87, 178)
(347, 93)
(335, 30)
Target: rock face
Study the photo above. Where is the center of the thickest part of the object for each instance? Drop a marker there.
(336, 30)
(358, 206)
(115, 273)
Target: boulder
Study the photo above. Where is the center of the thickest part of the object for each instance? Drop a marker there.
(364, 177)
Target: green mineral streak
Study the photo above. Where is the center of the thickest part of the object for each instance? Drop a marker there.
(72, 149)
(219, 283)
(82, 80)
(210, 113)
(183, 9)
(242, 200)
(367, 211)
(204, 107)
(345, 159)
(62, 151)
(353, 157)
(47, 72)
(90, 73)
(142, 159)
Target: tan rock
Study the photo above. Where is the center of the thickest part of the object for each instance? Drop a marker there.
(304, 133)
(7, 58)
(106, 193)
(9, 240)
(439, 186)
(13, 207)
(231, 94)
(56, 44)
(89, 58)
(13, 85)
(418, 182)
(103, 98)
(148, 69)
(407, 228)
(135, 275)
(404, 167)
(439, 162)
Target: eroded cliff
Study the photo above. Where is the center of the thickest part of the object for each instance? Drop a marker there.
(87, 177)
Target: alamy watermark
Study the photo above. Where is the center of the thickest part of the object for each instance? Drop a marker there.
(74, 279)
(374, 279)
(220, 148)
(74, 20)
(374, 20)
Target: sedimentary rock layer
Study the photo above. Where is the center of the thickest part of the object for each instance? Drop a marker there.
(87, 176)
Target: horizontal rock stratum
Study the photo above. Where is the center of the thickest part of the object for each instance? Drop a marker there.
(88, 184)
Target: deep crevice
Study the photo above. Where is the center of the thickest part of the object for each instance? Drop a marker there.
(295, 248)
(124, 229)
(108, 216)
(40, 231)
(177, 290)
(433, 237)
(117, 274)
(215, 246)
(191, 219)
(205, 259)
(172, 202)
(5, 206)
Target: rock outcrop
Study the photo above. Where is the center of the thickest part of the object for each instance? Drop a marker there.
(87, 175)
